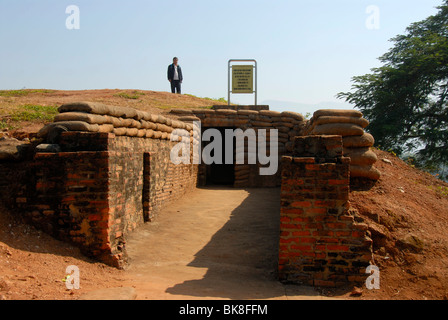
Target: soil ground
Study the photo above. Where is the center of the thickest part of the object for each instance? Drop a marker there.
(405, 204)
(225, 248)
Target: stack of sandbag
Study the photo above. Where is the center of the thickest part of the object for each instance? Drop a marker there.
(122, 121)
(356, 143)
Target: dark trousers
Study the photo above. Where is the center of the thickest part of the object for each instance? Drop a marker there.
(175, 85)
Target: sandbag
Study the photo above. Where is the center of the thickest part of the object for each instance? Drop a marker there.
(340, 129)
(81, 116)
(181, 111)
(294, 115)
(337, 112)
(261, 124)
(106, 128)
(120, 131)
(247, 112)
(132, 132)
(290, 125)
(225, 112)
(366, 140)
(125, 123)
(368, 172)
(271, 113)
(136, 124)
(141, 133)
(363, 123)
(113, 120)
(70, 125)
(157, 135)
(283, 129)
(360, 156)
(98, 108)
(149, 133)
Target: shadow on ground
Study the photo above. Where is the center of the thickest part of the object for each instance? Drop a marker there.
(241, 258)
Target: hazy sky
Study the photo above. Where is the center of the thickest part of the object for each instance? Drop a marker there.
(307, 51)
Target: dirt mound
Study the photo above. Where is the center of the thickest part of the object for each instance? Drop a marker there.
(33, 265)
(407, 214)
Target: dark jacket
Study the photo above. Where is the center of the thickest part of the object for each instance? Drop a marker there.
(171, 72)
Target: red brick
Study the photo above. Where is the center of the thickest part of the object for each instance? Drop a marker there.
(346, 218)
(334, 182)
(301, 204)
(313, 167)
(74, 176)
(336, 225)
(324, 203)
(308, 254)
(285, 226)
(325, 218)
(291, 211)
(301, 248)
(285, 234)
(306, 240)
(329, 240)
(293, 182)
(317, 210)
(95, 217)
(313, 226)
(323, 233)
(287, 240)
(331, 247)
(358, 234)
(301, 233)
(301, 219)
(343, 233)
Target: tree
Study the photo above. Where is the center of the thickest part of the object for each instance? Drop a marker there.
(406, 99)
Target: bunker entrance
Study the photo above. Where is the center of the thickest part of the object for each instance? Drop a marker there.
(220, 173)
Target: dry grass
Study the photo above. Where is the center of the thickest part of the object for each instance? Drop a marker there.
(37, 106)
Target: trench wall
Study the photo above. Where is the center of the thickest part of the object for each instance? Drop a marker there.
(112, 172)
(320, 244)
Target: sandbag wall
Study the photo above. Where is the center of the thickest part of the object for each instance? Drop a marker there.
(121, 121)
(103, 171)
(357, 143)
(288, 124)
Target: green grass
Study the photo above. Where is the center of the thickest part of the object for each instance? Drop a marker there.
(134, 95)
(440, 190)
(223, 100)
(4, 125)
(30, 112)
(23, 92)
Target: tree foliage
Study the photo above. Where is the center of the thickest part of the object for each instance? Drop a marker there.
(406, 99)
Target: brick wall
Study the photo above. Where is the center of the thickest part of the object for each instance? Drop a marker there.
(320, 242)
(95, 198)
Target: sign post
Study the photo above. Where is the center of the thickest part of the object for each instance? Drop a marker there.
(241, 78)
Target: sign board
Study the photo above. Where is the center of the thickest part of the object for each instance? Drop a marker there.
(242, 79)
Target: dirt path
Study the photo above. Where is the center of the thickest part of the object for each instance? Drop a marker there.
(217, 243)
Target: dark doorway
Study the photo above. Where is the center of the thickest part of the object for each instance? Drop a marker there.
(221, 174)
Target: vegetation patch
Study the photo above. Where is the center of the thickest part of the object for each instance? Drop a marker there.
(221, 100)
(22, 92)
(134, 95)
(31, 112)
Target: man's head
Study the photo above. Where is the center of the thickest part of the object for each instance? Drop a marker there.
(175, 59)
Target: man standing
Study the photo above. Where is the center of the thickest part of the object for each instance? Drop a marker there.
(175, 76)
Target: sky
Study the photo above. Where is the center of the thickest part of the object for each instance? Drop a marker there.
(307, 51)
